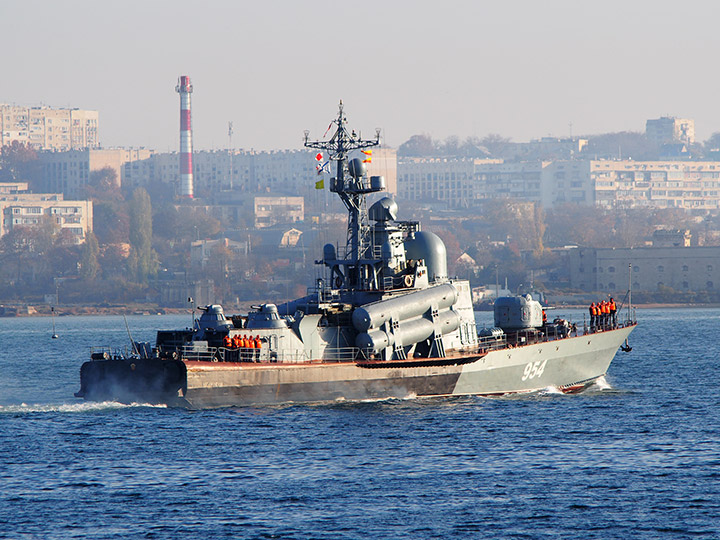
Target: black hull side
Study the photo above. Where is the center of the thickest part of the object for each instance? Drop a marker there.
(148, 380)
(399, 387)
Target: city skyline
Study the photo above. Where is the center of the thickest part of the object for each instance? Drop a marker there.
(522, 70)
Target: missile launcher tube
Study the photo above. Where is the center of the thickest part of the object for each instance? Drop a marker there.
(404, 307)
(409, 332)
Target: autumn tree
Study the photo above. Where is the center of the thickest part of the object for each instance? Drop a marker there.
(712, 144)
(143, 262)
(184, 223)
(418, 146)
(522, 222)
(19, 163)
(89, 266)
(103, 185)
(495, 144)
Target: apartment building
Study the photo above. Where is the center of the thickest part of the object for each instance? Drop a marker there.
(270, 211)
(668, 130)
(29, 209)
(457, 182)
(46, 128)
(690, 185)
(279, 171)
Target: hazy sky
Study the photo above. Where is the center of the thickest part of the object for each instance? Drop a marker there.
(523, 69)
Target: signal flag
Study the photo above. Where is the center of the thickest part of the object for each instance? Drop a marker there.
(320, 184)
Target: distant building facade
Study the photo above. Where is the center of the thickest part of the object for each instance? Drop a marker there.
(281, 171)
(456, 182)
(683, 269)
(522, 181)
(671, 238)
(271, 211)
(46, 128)
(690, 185)
(69, 172)
(29, 209)
(669, 129)
(7, 188)
(546, 148)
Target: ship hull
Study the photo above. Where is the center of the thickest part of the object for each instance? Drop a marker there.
(568, 364)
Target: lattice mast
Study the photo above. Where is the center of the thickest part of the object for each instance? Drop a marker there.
(352, 188)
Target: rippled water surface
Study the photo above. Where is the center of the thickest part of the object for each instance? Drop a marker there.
(636, 457)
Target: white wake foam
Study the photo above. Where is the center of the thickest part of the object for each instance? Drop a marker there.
(602, 384)
(85, 406)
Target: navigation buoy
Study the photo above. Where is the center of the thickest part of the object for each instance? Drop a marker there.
(52, 312)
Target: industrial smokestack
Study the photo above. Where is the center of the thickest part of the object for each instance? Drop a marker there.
(184, 88)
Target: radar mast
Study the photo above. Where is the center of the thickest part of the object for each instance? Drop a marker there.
(352, 186)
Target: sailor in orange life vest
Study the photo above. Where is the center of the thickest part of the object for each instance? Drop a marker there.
(593, 315)
(227, 341)
(613, 312)
(250, 349)
(243, 346)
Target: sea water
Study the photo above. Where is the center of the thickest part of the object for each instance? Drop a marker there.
(636, 456)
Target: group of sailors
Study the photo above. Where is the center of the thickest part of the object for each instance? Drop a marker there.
(243, 348)
(603, 314)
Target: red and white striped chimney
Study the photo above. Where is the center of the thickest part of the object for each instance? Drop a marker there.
(184, 88)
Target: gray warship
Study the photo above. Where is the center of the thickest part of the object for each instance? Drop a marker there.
(383, 320)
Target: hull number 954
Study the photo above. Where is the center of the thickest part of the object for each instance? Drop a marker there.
(534, 369)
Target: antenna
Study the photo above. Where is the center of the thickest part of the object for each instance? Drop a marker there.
(630, 318)
(230, 151)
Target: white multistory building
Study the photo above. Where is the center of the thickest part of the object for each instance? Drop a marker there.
(30, 209)
(277, 171)
(47, 128)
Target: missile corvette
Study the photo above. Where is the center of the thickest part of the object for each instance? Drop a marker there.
(382, 320)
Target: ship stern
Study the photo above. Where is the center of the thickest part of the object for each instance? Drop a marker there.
(133, 380)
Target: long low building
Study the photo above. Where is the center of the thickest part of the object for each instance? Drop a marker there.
(689, 185)
(683, 269)
(290, 172)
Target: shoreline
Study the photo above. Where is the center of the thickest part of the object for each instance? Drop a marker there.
(147, 310)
